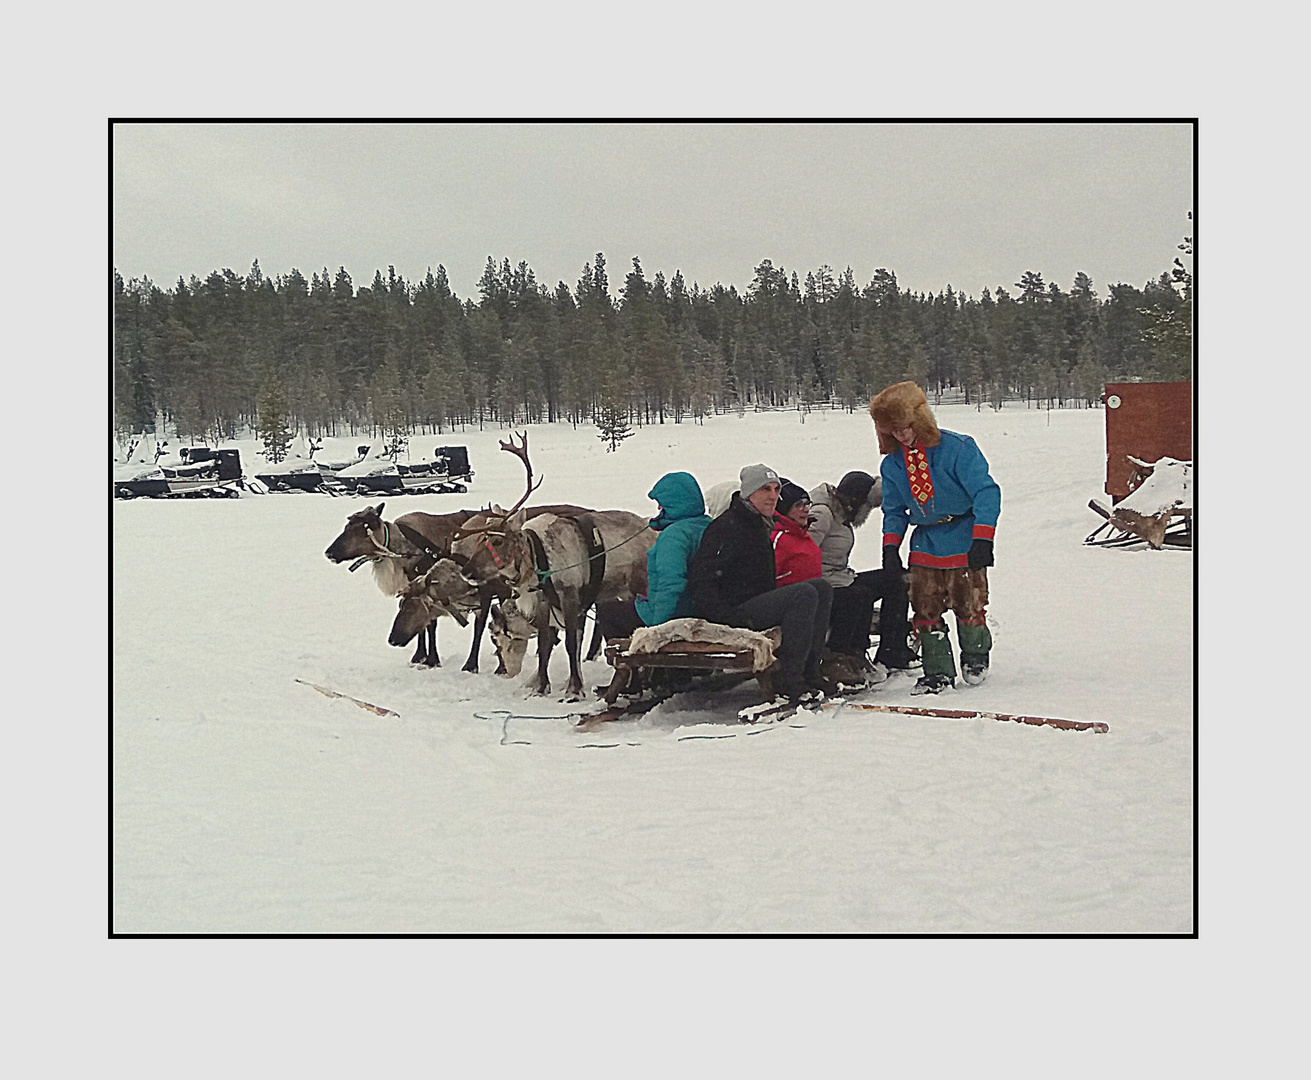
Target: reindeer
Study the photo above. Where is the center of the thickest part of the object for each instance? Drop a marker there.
(396, 550)
(560, 564)
(514, 622)
(437, 589)
(403, 550)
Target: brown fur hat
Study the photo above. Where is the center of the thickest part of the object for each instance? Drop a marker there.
(899, 406)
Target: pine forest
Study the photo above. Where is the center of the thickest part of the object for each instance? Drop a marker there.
(229, 354)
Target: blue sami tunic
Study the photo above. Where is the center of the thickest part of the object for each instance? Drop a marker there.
(962, 489)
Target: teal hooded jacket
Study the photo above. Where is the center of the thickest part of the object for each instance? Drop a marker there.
(680, 523)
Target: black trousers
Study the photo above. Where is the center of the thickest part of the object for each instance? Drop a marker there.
(801, 610)
(618, 618)
(853, 613)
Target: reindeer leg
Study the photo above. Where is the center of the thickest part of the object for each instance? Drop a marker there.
(433, 659)
(541, 684)
(421, 649)
(479, 625)
(594, 649)
(573, 690)
(573, 642)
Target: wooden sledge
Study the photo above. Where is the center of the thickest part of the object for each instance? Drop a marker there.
(1126, 528)
(700, 657)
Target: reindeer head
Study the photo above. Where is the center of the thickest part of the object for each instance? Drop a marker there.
(438, 590)
(493, 548)
(492, 543)
(356, 539)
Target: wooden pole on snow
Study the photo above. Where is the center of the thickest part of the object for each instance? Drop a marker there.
(968, 714)
(354, 700)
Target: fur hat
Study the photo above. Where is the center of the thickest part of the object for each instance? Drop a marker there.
(902, 405)
(789, 495)
(754, 477)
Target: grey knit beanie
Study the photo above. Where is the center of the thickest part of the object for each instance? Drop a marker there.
(754, 477)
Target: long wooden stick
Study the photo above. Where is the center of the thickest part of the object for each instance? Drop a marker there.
(967, 714)
(346, 697)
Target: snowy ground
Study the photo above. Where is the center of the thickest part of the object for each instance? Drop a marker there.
(244, 802)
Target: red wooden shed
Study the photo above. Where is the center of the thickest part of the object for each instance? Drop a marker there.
(1147, 421)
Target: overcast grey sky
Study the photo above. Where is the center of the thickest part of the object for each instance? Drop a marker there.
(972, 206)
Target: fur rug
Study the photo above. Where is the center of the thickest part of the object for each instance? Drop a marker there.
(649, 639)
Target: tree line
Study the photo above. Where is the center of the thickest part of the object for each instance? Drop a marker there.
(235, 353)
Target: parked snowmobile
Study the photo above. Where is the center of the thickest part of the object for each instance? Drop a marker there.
(318, 473)
(386, 474)
(448, 472)
(201, 473)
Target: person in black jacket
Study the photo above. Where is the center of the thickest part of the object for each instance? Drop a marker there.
(731, 581)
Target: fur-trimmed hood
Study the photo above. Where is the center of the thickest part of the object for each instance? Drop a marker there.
(899, 406)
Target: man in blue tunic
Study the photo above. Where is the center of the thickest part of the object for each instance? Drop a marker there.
(938, 481)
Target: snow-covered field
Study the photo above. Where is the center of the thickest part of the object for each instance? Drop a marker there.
(245, 802)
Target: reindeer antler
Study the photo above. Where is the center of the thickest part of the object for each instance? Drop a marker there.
(521, 452)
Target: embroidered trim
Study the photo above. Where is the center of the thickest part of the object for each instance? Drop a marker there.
(939, 562)
(917, 472)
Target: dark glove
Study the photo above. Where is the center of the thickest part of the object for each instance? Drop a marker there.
(980, 554)
(891, 558)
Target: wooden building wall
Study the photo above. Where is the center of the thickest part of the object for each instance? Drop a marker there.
(1151, 421)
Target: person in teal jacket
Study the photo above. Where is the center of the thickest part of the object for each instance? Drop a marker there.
(938, 481)
(680, 523)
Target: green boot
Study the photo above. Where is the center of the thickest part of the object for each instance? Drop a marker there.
(939, 667)
(975, 644)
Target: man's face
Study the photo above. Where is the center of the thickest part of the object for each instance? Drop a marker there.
(765, 498)
(905, 436)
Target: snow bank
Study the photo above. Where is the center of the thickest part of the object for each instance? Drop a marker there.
(1170, 487)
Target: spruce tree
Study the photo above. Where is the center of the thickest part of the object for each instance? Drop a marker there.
(273, 430)
(612, 420)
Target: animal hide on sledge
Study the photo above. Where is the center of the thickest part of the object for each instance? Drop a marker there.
(650, 639)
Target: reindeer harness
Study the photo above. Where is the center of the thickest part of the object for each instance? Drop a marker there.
(416, 539)
(591, 534)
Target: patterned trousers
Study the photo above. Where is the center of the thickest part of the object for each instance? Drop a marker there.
(934, 591)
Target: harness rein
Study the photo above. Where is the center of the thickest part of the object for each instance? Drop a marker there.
(384, 549)
(603, 551)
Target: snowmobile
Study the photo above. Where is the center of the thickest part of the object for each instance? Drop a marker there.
(315, 474)
(201, 472)
(446, 474)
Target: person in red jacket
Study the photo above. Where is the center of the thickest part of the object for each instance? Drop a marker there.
(796, 555)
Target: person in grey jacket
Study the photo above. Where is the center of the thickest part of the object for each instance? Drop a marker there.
(837, 512)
